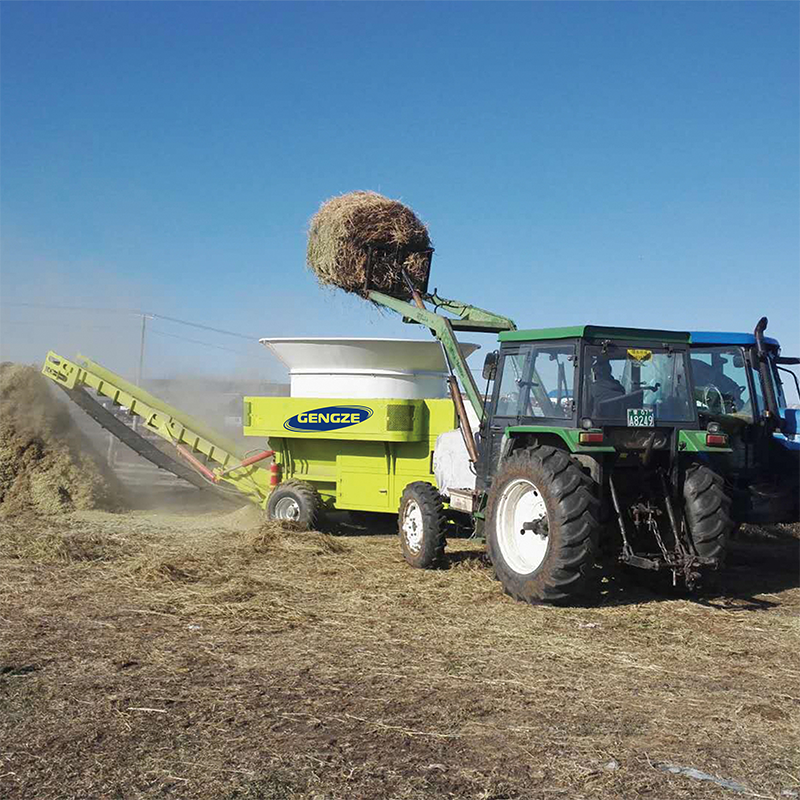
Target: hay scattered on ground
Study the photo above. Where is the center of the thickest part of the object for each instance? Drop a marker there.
(343, 230)
(55, 540)
(191, 663)
(46, 462)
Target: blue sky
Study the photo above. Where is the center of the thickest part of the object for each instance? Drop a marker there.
(626, 163)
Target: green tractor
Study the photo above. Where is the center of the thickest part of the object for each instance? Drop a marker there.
(590, 447)
(587, 446)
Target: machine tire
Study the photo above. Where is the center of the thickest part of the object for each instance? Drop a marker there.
(708, 512)
(545, 479)
(421, 525)
(297, 502)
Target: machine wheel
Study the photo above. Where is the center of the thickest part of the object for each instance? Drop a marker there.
(551, 559)
(707, 508)
(421, 525)
(295, 501)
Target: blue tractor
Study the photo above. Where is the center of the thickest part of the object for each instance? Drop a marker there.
(738, 384)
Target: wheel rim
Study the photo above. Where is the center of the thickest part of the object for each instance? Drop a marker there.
(287, 508)
(520, 503)
(412, 526)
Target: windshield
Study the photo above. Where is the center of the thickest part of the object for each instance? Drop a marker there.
(779, 393)
(537, 381)
(720, 380)
(782, 374)
(633, 385)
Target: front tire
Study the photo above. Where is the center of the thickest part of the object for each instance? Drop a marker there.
(542, 528)
(421, 524)
(297, 502)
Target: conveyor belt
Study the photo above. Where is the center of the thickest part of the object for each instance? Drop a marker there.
(137, 443)
(203, 457)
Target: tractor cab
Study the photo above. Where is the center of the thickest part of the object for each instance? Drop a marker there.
(738, 384)
(594, 390)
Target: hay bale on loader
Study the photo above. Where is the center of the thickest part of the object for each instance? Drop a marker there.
(46, 463)
(363, 235)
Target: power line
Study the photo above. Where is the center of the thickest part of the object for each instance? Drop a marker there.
(137, 312)
(206, 327)
(197, 341)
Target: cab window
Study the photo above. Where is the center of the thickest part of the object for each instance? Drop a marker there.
(537, 381)
(720, 382)
(619, 379)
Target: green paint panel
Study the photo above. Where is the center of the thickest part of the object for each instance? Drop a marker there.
(695, 442)
(391, 420)
(595, 332)
(569, 436)
(359, 470)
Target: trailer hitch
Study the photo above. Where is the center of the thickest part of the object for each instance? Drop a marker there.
(644, 515)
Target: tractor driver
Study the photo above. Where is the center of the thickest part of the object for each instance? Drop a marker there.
(604, 385)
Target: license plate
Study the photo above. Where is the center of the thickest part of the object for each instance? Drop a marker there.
(641, 418)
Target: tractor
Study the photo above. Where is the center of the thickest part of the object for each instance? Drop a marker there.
(737, 385)
(586, 444)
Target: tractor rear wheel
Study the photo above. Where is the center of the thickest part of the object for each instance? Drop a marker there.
(542, 528)
(421, 524)
(295, 501)
(707, 508)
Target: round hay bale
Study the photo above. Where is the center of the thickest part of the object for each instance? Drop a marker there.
(364, 232)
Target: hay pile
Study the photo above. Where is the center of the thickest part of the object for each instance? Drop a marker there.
(344, 229)
(46, 463)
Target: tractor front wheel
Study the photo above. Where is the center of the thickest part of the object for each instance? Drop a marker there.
(295, 501)
(542, 528)
(421, 525)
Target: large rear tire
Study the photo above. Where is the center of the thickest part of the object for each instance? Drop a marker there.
(542, 528)
(421, 525)
(708, 512)
(297, 502)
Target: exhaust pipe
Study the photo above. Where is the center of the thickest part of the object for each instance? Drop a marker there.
(772, 415)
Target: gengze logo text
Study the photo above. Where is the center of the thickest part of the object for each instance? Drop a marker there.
(330, 418)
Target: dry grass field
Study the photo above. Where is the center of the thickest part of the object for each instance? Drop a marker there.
(195, 655)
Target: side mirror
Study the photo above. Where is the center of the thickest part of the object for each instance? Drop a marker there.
(738, 361)
(791, 423)
(490, 365)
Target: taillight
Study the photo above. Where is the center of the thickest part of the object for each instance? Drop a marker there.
(586, 437)
(716, 440)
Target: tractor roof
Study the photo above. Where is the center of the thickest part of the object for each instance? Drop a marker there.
(724, 337)
(596, 332)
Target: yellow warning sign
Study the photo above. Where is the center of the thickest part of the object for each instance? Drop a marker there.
(640, 355)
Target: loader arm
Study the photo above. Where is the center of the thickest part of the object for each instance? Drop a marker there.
(470, 318)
